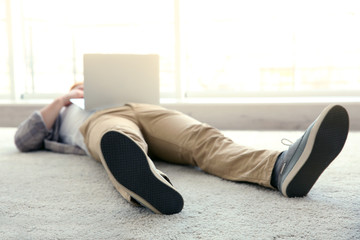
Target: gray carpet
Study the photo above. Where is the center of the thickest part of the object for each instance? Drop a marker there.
(44, 195)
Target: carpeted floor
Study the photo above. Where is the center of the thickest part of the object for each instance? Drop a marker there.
(44, 195)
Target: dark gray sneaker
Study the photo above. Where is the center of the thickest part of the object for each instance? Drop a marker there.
(298, 168)
(133, 173)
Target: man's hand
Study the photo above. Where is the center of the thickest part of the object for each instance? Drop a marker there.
(77, 92)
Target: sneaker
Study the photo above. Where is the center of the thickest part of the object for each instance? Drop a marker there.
(298, 168)
(131, 171)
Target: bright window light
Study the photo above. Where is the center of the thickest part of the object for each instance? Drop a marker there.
(56, 42)
(4, 56)
(207, 48)
(277, 47)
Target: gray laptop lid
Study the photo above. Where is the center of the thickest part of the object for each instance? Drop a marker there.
(115, 79)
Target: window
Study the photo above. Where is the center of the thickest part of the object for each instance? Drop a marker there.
(54, 59)
(4, 56)
(207, 48)
(270, 48)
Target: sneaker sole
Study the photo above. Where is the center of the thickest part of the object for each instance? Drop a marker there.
(129, 169)
(324, 142)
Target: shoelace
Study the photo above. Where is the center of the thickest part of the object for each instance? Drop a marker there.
(286, 142)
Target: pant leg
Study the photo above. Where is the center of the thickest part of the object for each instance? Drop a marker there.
(178, 138)
(118, 119)
(121, 120)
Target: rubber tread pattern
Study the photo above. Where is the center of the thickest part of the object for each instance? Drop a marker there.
(129, 165)
(329, 141)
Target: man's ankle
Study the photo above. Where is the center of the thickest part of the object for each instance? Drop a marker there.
(276, 170)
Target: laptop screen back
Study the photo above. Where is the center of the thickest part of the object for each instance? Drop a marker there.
(115, 79)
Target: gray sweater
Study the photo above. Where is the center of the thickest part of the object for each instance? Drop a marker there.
(33, 135)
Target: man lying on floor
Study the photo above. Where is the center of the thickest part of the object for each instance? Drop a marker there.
(125, 138)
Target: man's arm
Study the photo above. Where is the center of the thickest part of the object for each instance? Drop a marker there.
(51, 111)
(31, 133)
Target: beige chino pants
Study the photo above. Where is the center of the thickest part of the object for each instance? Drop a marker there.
(177, 138)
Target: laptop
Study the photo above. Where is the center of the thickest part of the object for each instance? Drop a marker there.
(111, 80)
